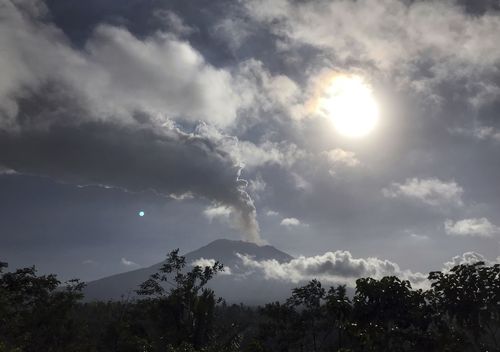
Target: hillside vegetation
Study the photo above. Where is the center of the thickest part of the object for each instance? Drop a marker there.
(460, 312)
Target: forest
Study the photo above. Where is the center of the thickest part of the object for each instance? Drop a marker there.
(177, 312)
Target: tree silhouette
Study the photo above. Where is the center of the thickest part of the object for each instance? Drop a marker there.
(309, 298)
(338, 310)
(36, 312)
(390, 316)
(180, 302)
(177, 312)
(469, 295)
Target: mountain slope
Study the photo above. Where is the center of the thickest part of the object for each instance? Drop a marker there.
(235, 288)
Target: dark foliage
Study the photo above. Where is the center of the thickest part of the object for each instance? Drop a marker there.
(179, 313)
(36, 313)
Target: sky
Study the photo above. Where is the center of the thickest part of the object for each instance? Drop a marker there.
(338, 131)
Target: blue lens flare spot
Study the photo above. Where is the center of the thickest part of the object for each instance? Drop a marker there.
(141, 213)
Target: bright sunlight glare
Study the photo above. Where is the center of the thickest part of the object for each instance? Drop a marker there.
(350, 103)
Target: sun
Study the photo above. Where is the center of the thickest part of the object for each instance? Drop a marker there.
(349, 102)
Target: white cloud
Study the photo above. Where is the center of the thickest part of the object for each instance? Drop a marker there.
(229, 215)
(467, 258)
(431, 191)
(233, 31)
(215, 211)
(272, 213)
(476, 227)
(483, 133)
(375, 29)
(181, 196)
(340, 267)
(117, 74)
(300, 182)
(290, 222)
(337, 267)
(395, 37)
(174, 23)
(257, 185)
(126, 262)
(283, 154)
(341, 157)
(270, 92)
(161, 75)
(210, 262)
(488, 92)
(252, 155)
(487, 132)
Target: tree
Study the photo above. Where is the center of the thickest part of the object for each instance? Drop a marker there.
(391, 316)
(309, 298)
(469, 295)
(280, 328)
(36, 312)
(180, 303)
(339, 309)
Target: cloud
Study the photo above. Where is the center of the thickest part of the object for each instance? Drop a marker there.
(338, 267)
(340, 158)
(272, 213)
(467, 258)
(431, 191)
(6, 171)
(475, 227)
(399, 38)
(232, 31)
(257, 185)
(418, 237)
(283, 154)
(159, 75)
(181, 196)
(487, 132)
(300, 182)
(173, 22)
(210, 262)
(290, 222)
(117, 74)
(483, 133)
(217, 212)
(102, 115)
(271, 93)
(251, 155)
(126, 262)
(134, 158)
